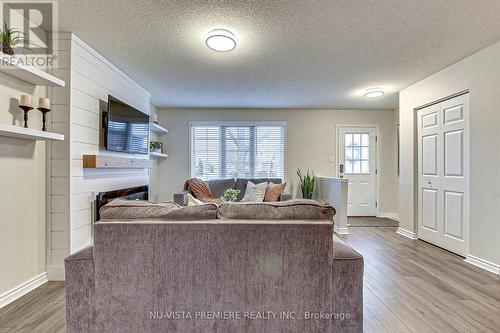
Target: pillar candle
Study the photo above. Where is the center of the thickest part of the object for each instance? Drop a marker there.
(26, 100)
(44, 103)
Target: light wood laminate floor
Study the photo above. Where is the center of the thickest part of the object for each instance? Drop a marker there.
(410, 286)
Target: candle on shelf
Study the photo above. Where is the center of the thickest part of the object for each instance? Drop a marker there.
(26, 104)
(26, 100)
(43, 103)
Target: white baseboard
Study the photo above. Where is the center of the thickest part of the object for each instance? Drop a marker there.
(11, 295)
(392, 216)
(484, 264)
(340, 231)
(406, 233)
(55, 273)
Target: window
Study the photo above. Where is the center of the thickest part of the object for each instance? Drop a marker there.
(357, 153)
(227, 150)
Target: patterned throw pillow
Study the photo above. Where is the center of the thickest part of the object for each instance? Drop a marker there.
(255, 193)
(273, 192)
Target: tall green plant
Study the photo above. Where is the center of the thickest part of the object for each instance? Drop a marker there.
(306, 183)
(9, 37)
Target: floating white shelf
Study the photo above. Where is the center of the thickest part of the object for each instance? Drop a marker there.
(158, 129)
(10, 65)
(28, 133)
(157, 155)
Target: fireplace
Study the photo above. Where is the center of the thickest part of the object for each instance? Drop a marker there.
(133, 193)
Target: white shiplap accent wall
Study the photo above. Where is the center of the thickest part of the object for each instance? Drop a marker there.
(58, 160)
(91, 79)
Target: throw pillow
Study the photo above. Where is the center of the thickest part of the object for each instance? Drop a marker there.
(192, 201)
(273, 192)
(255, 192)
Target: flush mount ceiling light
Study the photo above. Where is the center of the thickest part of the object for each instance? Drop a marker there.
(374, 92)
(221, 40)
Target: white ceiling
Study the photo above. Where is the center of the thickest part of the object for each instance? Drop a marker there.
(290, 54)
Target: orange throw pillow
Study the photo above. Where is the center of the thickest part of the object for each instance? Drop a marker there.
(273, 192)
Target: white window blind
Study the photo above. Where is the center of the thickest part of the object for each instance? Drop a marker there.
(237, 151)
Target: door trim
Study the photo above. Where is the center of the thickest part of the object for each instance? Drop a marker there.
(377, 165)
(417, 164)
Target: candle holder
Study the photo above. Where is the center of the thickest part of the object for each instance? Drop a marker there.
(26, 109)
(44, 111)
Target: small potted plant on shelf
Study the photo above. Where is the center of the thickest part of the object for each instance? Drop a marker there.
(306, 183)
(156, 147)
(230, 195)
(9, 37)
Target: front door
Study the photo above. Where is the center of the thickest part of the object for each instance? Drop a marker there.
(357, 162)
(443, 173)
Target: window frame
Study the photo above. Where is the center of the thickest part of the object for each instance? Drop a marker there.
(236, 124)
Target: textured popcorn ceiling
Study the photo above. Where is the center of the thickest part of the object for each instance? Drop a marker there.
(290, 54)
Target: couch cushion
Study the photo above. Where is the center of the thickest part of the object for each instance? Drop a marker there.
(298, 209)
(241, 184)
(206, 211)
(120, 209)
(219, 186)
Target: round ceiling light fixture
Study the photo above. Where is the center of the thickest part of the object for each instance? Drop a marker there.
(221, 40)
(374, 92)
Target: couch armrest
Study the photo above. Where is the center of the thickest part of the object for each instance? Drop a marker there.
(181, 198)
(347, 276)
(286, 196)
(80, 291)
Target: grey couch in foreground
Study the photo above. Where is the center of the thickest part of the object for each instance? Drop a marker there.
(215, 275)
(219, 186)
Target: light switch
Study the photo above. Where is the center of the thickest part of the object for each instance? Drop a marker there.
(332, 159)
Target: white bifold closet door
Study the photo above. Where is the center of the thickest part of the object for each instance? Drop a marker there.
(443, 174)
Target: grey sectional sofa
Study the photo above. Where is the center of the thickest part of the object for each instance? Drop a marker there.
(219, 186)
(219, 274)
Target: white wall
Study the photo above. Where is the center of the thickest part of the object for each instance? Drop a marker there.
(91, 79)
(23, 190)
(480, 74)
(311, 141)
(153, 190)
(23, 186)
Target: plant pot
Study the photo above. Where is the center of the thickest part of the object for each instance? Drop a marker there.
(7, 49)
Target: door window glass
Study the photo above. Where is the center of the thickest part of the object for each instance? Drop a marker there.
(357, 153)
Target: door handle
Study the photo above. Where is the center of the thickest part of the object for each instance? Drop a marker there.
(341, 170)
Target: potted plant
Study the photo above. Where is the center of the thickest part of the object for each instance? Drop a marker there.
(230, 195)
(9, 37)
(156, 147)
(306, 183)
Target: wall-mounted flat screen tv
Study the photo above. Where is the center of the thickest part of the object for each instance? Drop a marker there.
(127, 128)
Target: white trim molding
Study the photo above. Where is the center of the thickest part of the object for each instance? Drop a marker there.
(55, 273)
(392, 216)
(406, 233)
(484, 264)
(13, 294)
(340, 231)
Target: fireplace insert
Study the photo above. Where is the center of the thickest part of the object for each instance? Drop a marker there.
(133, 193)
